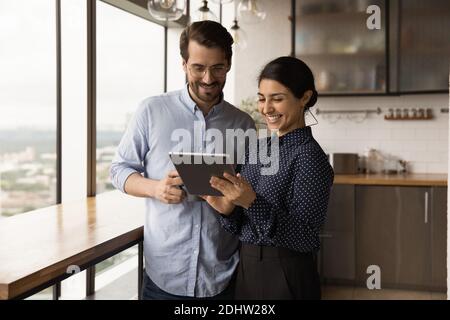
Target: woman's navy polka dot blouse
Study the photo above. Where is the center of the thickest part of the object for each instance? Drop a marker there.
(291, 205)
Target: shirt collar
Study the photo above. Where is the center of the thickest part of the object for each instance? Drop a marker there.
(187, 100)
(192, 106)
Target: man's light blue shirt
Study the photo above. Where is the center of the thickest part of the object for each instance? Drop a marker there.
(186, 250)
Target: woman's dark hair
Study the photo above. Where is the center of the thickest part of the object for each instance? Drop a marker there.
(209, 34)
(294, 74)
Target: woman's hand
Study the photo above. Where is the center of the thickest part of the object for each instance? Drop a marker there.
(221, 204)
(235, 189)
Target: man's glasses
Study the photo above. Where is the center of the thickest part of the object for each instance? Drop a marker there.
(199, 71)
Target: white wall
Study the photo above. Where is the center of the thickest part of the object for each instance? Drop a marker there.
(424, 144)
(175, 75)
(267, 40)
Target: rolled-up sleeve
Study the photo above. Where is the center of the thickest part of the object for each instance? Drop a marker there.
(133, 147)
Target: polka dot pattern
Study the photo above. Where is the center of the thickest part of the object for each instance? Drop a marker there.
(291, 205)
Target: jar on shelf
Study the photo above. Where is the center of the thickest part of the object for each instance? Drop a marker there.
(405, 114)
(390, 113)
(421, 113)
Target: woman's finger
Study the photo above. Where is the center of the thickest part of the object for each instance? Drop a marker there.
(217, 185)
(222, 185)
(220, 181)
(231, 178)
(241, 178)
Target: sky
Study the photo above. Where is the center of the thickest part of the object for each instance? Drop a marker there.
(27, 55)
(129, 62)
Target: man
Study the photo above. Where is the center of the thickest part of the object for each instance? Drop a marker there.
(187, 254)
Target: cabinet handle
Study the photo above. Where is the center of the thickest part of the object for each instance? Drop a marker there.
(426, 207)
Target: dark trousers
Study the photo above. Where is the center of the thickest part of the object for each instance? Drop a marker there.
(150, 291)
(276, 273)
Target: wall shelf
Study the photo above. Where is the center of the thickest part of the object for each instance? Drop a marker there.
(409, 118)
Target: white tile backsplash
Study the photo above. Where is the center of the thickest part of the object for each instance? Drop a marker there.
(379, 133)
(424, 144)
(402, 134)
(443, 134)
(428, 134)
(434, 146)
(436, 167)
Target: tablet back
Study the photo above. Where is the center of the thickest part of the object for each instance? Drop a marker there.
(196, 169)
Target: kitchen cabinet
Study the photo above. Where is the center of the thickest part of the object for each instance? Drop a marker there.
(424, 45)
(409, 54)
(400, 229)
(337, 254)
(333, 39)
(439, 238)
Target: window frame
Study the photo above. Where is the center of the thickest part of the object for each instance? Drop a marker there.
(137, 8)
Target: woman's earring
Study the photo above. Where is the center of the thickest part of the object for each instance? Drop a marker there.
(310, 120)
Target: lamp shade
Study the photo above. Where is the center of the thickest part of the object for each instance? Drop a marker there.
(251, 11)
(204, 13)
(166, 10)
(239, 36)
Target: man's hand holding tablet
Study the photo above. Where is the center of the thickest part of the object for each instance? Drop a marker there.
(168, 191)
(196, 170)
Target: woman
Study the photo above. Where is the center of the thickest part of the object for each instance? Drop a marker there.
(278, 217)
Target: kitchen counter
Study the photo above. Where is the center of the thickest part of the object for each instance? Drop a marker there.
(411, 179)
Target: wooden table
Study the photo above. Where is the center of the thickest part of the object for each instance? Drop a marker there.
(38, 247)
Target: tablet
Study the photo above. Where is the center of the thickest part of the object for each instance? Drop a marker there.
(196, 169)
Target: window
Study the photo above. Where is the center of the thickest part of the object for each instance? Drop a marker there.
(130, 68)
(27, 106)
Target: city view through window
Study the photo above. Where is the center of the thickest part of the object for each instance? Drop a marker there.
(27, 106)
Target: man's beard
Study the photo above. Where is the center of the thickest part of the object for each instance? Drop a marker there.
(207, 97)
